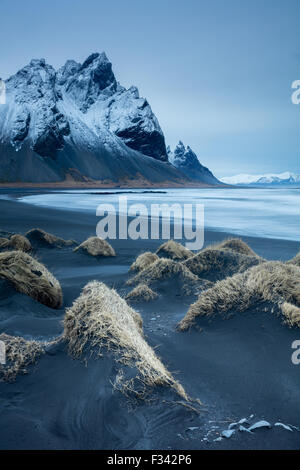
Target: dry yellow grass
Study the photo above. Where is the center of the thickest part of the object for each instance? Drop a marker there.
(272, 281)
(39, 236)
(141, 293)
(233, 244)
(143, 261)
(20, 353)
(291, 313)
(216, 264)
(18, 242)
(165, 268)
(30, 277)
(295, 260)
(102, 320)
(174, 250)
(96, 246)
(4, 243)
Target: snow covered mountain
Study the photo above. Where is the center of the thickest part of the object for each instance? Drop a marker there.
(187, 162)
(78, 124)
(270, 179)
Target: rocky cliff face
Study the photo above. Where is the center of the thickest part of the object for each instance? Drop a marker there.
(185, 160)
(79, 123)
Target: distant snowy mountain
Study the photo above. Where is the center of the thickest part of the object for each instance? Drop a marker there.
(78, 124)
(187, 162)
(270, 179)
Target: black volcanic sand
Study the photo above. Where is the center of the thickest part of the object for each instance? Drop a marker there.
(237, 367)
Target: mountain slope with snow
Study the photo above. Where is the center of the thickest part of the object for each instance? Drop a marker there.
(269, 178)
(79, 124)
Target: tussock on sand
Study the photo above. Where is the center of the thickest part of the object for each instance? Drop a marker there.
(31, 278)
(233, 244)
(216, 264)
(143, 261)
(100, 318)
(96, 246)
(273, 281)
(291, 313)
(141, 293)
(165, 268)
(16, 242)
(174, 250)
(38, 236)
(295, 260)
(4, 243)
(20, 353)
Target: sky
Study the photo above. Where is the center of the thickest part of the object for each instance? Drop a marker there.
(216, 73)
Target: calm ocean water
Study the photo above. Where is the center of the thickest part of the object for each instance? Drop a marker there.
(271, 213)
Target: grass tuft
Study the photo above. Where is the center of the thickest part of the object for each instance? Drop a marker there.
(163, 269)
(96, 246)
(141, 293)
(143, 261)
(31, 278)
(38, 236)
(20, 353)
(273, 281)
(15, 242)
(234, 244)
(102, 320)
(174, 250)
(216, 264)
(295, 260)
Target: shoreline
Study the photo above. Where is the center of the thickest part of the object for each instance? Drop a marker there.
(101, 185)
(268, 247)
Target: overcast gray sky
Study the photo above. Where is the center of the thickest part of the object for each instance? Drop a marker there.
(217, 73)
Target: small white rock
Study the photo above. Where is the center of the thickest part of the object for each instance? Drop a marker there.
(243, 421)
(243, 429)
(232, 425)
(284, 426)
(228, 433)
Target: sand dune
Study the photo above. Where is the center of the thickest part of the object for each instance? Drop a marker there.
(273, 281)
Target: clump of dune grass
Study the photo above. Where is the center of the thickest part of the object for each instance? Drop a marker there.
(15, 242)
(174, 250)
(4, 243)
(143, 261)
(38, 236)
(96, 246)
(30, 277)
(216, 264)
(165, 268)
(19, 242)
(20, 354)
(272, 281)
(101, 320)
(141, 293)
(291, 313)
(295, 260)
(234, 244)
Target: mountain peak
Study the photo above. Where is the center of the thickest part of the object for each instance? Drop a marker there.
(52, 118)
(95, 58)
(37, 63)
(187, 161)
(90, 81)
